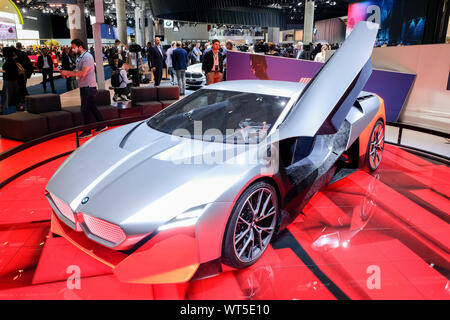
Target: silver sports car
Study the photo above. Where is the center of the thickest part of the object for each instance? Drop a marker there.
(210, 179)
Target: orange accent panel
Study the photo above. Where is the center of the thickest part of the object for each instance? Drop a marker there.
(183, 274)
(171, 260)
(365, 135)
(103, 254)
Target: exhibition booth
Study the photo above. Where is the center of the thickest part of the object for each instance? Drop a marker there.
(12, 26)
(290, 180)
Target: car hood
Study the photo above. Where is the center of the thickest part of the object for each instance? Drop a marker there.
(195, 68)
(139, 178)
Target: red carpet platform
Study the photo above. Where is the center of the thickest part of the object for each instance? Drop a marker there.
(385, 236)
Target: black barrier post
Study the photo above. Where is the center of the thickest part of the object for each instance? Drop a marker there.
(77, 139)
(399, 138)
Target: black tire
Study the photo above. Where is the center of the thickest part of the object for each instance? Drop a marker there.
(257, 226)
(375, 146)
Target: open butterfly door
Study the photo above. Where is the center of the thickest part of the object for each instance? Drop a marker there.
(328, 98)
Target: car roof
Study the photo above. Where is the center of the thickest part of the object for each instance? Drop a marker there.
(269, 87)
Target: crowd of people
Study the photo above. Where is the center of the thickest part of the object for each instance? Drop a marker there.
(20, 63)
(126, 62)
(128, 67)
(16, 69)
(128, 59)
(313, 51)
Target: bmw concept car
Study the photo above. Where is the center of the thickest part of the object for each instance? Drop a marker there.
(211, 179)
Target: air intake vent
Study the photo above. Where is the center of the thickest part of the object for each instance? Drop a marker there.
(63, 208)
(104, 230)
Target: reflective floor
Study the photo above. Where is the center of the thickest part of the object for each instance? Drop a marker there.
(365, 237)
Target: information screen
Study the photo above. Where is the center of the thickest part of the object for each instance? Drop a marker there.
(401, 21)
(7, 32)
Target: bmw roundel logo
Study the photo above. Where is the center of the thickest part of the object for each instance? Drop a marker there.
(85, 200)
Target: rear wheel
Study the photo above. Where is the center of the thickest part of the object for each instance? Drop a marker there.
(251, 226)
(376, 146)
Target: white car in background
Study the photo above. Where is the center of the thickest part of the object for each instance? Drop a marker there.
(195, 77)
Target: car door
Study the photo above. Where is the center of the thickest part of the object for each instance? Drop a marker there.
(315, 134)
(327, 99)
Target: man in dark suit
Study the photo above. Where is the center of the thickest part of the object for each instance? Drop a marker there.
(180, 62)
(213, 64)
(157, 61)
(45, 65)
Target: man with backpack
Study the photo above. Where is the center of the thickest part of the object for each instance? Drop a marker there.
(120, 82)
(134, 60)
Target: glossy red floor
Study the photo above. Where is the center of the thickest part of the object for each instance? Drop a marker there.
(366, 237)
(6, 144)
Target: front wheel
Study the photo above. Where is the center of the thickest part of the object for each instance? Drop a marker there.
(376, 146)
(251, 226)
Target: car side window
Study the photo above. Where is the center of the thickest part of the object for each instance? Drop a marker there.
(294, 150)
(302, 148)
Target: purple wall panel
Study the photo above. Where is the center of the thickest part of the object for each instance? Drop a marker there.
(393, 87)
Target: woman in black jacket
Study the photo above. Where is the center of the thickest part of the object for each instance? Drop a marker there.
(10, 92)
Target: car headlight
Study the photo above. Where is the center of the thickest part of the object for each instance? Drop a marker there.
(185, 219)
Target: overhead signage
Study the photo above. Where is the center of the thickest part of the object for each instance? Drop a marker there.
(168, 24)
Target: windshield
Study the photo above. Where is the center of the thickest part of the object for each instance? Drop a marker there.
(221, 116)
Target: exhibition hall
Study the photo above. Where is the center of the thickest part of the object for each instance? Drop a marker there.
(225, 150)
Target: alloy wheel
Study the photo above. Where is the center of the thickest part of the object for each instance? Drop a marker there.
(376, 146)
(255, 225)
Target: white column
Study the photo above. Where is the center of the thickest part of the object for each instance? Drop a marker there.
(97, 30)
(151, 27)
(156, 30)
(142, 20)
(137, 24)
(273, 35)
(308, 22)
(121, 17)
